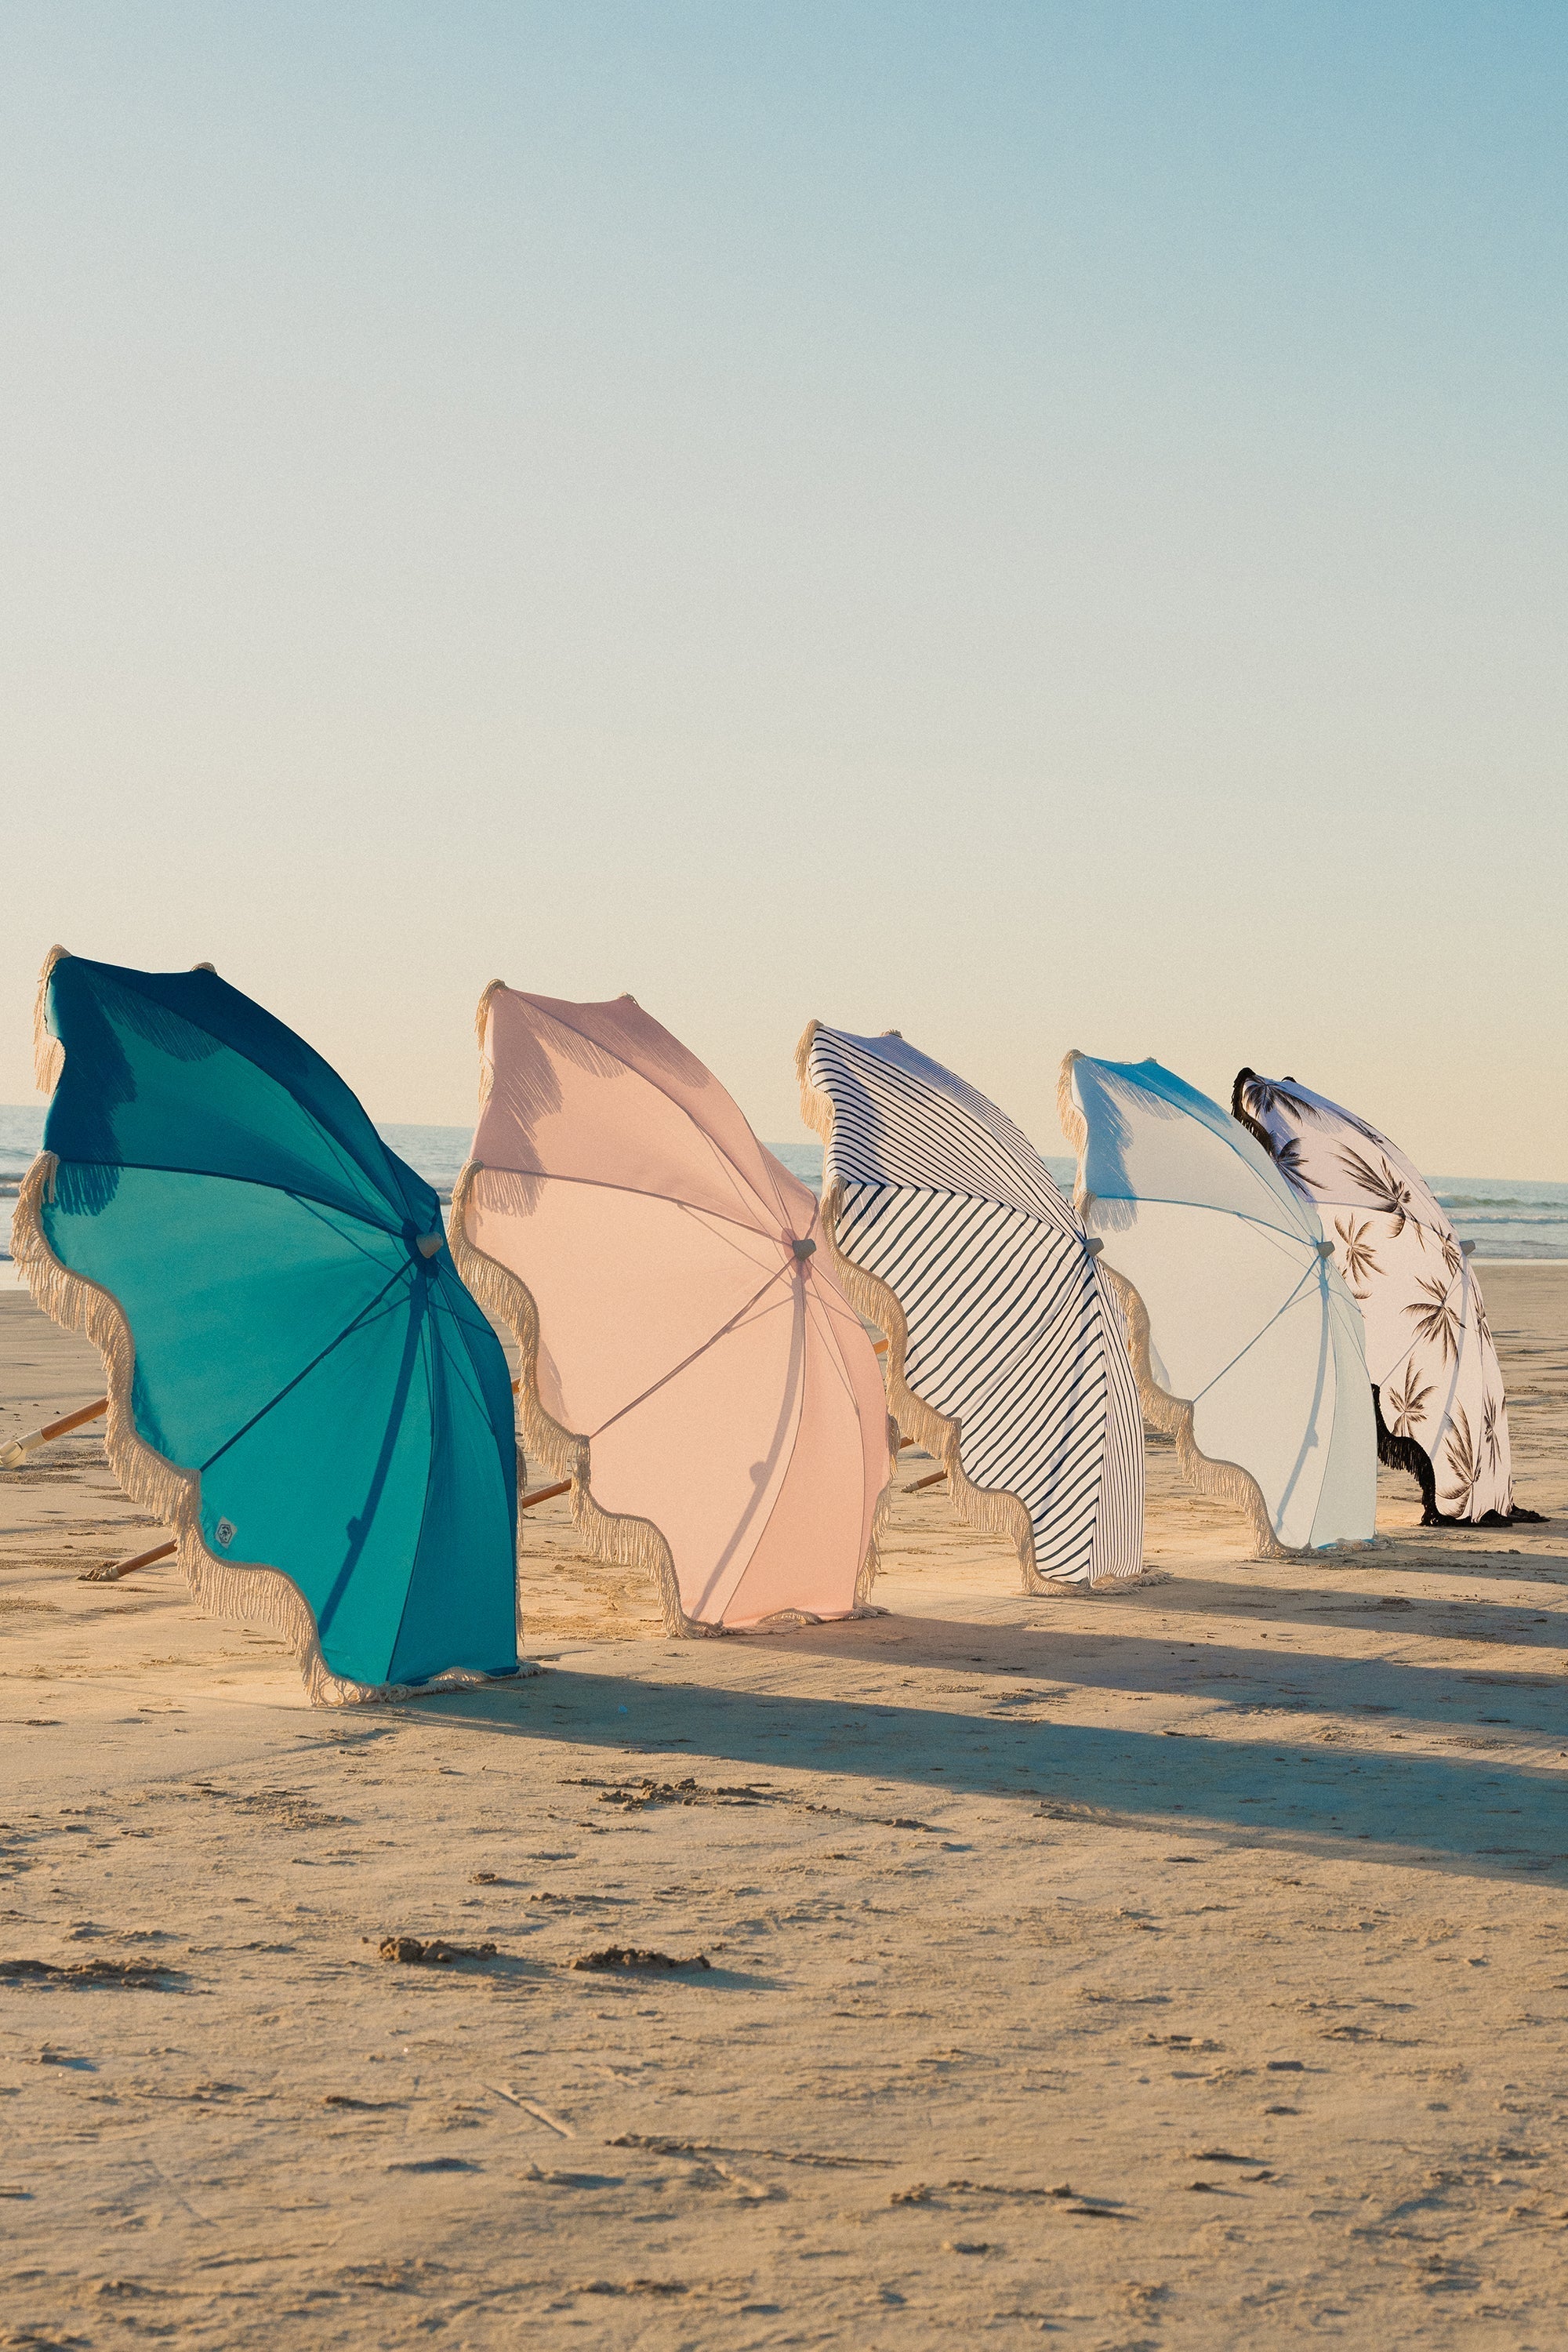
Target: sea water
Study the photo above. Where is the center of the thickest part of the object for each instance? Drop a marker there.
(1505, 1217)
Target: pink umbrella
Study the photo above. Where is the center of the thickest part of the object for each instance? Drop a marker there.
(688, 1360)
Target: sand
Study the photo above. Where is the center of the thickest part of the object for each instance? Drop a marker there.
(1188, 1968)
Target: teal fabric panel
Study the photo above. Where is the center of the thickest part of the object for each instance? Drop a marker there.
(460, 1509)
(346, 1403)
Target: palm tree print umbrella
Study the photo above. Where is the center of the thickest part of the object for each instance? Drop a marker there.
(1429, 1352)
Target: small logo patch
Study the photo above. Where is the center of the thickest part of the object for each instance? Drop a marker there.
(225, 1532)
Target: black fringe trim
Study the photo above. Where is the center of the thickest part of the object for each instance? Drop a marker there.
(1404, 1453)
(1243, 1117)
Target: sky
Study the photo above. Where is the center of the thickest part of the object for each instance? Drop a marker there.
(1038, 526)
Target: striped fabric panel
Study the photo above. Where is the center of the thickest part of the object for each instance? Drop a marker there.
(1122, 1478)
(1012, 1333)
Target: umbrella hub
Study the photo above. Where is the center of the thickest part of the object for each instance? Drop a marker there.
(804, 1249)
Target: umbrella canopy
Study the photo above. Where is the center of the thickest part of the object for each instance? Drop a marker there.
(688, 1360)
(1006, 1351)
(1435, 1377)
(1247, 1344)
(297, 1382)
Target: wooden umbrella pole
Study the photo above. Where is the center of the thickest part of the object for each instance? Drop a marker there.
(73, 1420)
(935, 1479)
(13, 1456)
(544, 1494)
(540, 1493)
(113, 1569)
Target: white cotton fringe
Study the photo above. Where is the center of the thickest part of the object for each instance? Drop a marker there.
(261, 1595)
(612, 1537)
(998, 1513)
(1226, 1482)
(871, 1566)
(482, 1032)
(48, 1053)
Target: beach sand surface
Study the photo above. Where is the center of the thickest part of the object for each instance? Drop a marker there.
(1183, 1968)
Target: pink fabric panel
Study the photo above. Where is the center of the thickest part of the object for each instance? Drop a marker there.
(706, 1455)
(572, 1097)
(857, 1361)
(729, 1394)
(809, 1553)
(622, 1028)
(626, 1286)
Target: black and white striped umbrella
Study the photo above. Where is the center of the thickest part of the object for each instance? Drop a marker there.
(1007, 1353)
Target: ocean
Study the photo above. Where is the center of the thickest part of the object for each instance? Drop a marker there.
(1505, 1217)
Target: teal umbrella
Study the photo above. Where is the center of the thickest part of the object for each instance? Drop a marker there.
(298, 1382)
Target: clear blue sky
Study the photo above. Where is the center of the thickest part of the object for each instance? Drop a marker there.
(1035, 525)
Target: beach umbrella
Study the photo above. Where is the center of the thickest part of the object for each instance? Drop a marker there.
(299, 1384)
(1435, 1380)
(688, 1360)
(1246, 1345)
(1007, 1355)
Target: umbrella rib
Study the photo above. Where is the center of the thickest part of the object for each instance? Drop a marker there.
(228, 1176)
(814, 1299)
(999, 1143)
(340, 1149)
(830, 1340)
(425, 1349)
(1252, 1343)
(1231, 1144)
(636, 1191)
(227, 1046)
(739, 1532)
(362, 1521)
(735, 1176)
(676, 1369)
(324, 1214)
(464, 1365)
(708, 1219)
(1212, 1208)
(1056, 1219)
(404, 1272)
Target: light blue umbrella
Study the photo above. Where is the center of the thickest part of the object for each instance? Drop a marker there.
(298, 1382)
(1246, 1345)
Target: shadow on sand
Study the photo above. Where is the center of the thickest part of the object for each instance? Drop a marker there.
(1263, 1784)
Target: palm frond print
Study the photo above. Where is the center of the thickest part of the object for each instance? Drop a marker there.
(1409, 1408)
(1452, 1257)
(1478, 1309)
(1358, 1256)
(1436, 1318)
(1385, 1191)
(1262, 1096)
(1463, 1464)
(1287, 1160)
(1492, 1431)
